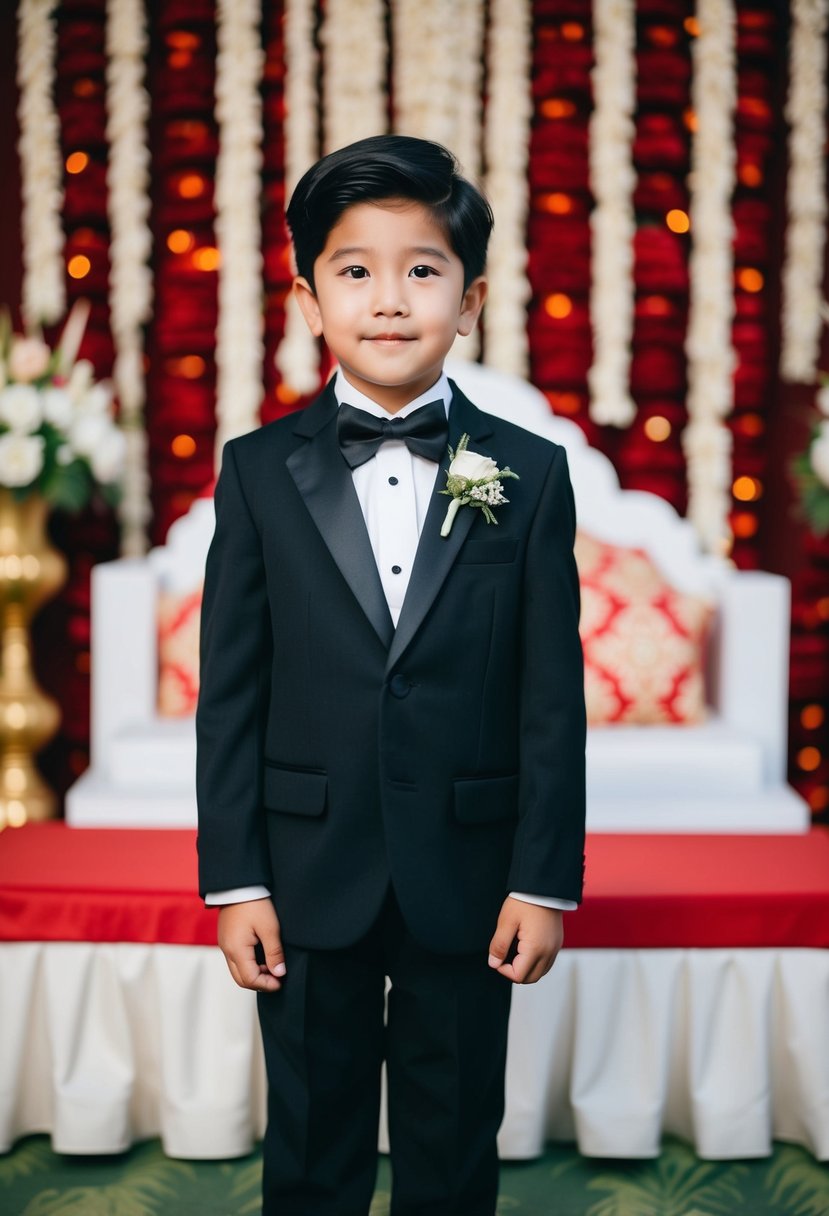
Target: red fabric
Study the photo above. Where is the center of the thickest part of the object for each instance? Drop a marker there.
(64, 884)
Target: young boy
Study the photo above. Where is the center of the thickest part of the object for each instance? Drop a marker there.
(391, 719)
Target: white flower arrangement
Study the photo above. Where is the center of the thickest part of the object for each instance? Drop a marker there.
(41, 167)
(805, 192)
(130, 279)
(473, 480)
(239, 341)
(613, 221)
(58, 437)
(709, 346)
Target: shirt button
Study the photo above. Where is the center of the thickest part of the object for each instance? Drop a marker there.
(397, 569)
(392, 481)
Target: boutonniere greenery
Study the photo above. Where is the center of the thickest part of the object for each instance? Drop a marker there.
(473, 481)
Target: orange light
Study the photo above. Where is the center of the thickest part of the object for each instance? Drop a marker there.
(691, 25)
(689, 117)
(207, 258)
(558, 107)
(286, 395)
(571, 31)
(183, 446)
(192, 185)
(79, 266)
(189, 367)
(812, 716)
(76, 162)
(756, 106)
(750, 174)
(182, 40)
(558, 305)
(662, 35)
(558, 204)
(823, 607)
(747, 489)
(82, 662)
(750, 279)
(84, 87)
(808, 759)
(179, 59)
(564, 403)
(819, 798)
(750, 425)
(656, 306)
(180, 241)
(745, 525)
(657, 428)
(677, 221)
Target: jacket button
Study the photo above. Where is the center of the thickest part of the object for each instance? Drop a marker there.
(399, 687)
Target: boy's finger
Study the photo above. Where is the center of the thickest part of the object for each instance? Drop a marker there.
(501, 945)
(274, 954)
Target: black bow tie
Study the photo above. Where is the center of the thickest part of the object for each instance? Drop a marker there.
(425, 432)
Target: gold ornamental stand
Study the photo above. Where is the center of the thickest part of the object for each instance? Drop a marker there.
(31, 571)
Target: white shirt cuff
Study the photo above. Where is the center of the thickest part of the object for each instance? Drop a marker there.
(236, 895)
(546, 901)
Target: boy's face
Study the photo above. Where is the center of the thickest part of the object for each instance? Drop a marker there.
(389, 299)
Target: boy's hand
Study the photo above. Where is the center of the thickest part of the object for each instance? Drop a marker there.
(538, 933)
(243, 927)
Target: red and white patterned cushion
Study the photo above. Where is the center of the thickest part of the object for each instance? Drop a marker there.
(178, 653)
(644, 641)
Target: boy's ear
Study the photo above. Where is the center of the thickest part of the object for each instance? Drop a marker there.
(308, 304)
(471, 305)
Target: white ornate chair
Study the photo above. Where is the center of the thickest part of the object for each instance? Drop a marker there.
(726, 774)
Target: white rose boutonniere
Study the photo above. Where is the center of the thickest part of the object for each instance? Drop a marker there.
(473, 481)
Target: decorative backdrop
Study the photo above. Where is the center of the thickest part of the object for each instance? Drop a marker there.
(635, 156)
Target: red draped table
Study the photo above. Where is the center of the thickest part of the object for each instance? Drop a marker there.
(692, 997)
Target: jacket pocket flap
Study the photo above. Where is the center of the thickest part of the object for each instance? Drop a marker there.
(486, 799)
(294, 792)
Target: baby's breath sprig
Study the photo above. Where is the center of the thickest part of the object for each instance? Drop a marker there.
(473, 481)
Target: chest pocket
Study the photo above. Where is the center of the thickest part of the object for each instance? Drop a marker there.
(497, 550)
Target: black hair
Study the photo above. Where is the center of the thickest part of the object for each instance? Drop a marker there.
(387, 167)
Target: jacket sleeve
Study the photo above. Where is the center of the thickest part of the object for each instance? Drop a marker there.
(548, 855)
(236, 649)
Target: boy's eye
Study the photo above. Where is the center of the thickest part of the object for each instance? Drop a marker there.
(356, 272)
(422, 272)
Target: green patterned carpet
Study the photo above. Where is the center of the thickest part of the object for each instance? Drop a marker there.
(36, 1182)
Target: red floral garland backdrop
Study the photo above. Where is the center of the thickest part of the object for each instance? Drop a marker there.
(181, 336)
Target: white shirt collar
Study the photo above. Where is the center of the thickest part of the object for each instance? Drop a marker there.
(344, 391)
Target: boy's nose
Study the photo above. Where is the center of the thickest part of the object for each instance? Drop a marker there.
(389, 300)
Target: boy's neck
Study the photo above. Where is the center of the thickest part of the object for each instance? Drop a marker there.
(346, 391)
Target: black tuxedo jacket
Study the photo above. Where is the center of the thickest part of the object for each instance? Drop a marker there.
(337, 754)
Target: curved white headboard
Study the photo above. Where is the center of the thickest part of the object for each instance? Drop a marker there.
(623, 517)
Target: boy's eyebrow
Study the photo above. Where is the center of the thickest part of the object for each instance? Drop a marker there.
(351, 251)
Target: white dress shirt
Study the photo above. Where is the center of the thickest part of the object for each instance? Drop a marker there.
(394, 488)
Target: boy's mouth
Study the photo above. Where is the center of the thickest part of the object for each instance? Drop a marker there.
(390, 338)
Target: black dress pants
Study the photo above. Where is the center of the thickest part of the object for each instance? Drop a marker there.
(445, 1047)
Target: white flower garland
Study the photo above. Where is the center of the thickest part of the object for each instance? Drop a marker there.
(805, 193)
(44, 288)
(239, 345)
(509, 115)
(354, 62)
(297, 357)
(613, 222)
(437, 84)
(130, 280)
(711, 358)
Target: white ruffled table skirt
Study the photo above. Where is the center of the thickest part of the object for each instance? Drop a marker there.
(728, 1048)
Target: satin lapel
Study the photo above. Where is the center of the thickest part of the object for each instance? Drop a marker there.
(324, 481)
(435, 553)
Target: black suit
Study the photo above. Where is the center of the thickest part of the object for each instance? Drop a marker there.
(340, 758)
